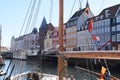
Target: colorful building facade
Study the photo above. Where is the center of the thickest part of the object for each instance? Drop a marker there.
(101, 28)
(115, 28)
(43, 31)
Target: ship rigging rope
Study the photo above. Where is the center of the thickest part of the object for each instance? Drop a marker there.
(35, 16)
(26, 29)
(25, 18)
(30, 17)
(51, 9)
(28, 24)
(72, 9)
(14, 62)
(80, 2)
(87, 66)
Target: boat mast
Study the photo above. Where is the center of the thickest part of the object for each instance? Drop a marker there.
(60, 57)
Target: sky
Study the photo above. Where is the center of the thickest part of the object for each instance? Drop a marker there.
(13, 12)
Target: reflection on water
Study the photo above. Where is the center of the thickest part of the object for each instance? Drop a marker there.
(49, 68)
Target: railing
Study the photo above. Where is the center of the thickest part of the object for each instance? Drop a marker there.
(23, 76)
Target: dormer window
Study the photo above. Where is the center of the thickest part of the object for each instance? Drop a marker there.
(107, 13)
(96, 18)
(101, 17)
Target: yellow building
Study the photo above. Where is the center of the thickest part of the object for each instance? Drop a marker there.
(70, 38)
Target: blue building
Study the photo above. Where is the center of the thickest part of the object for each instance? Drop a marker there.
(115, 28)
(103, 28)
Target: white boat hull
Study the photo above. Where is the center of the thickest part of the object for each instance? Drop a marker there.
(23, 76)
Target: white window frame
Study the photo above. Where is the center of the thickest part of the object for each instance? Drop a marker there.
(113, 37)
(113, 28)
(118, 27)
(118, 37)
(118, 19)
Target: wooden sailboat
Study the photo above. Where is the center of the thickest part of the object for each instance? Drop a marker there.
(42, 76)
(61, 59)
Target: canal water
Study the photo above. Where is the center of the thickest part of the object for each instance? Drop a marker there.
(49, 68)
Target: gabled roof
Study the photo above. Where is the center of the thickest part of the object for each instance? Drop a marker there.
(44, 23)
(34, 31)
(112, 11)
(77, 14)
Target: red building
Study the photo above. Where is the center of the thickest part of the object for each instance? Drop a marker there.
(55, 38)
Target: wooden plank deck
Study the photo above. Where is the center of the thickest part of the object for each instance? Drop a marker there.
(89, 54)
(93, 54)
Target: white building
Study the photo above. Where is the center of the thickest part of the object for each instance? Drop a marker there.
(48, 41)
(27, 43)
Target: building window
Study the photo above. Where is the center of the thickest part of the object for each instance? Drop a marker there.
(94, 31)
(102, 23)
(102, 30)
(94, 24)
(108, 29)
(118, 27)
(113, 28)
(113, 38)
(118, 19)
(118, 37)
(78, 28)
(75, 22)
(108, 22)
(105, 22)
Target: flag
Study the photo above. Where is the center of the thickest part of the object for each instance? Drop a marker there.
(87, 9)
(103, 70)
(95, 38)
(90, 27)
